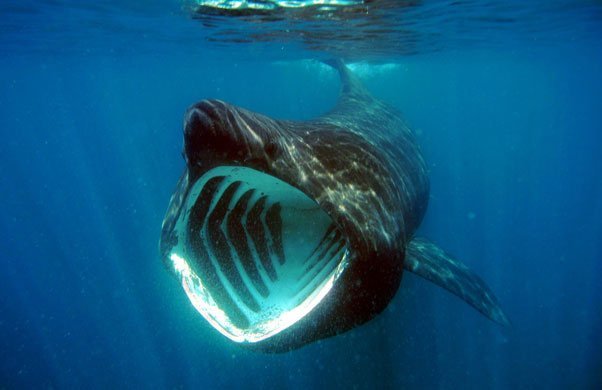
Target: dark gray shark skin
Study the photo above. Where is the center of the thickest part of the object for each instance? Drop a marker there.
(361, 164)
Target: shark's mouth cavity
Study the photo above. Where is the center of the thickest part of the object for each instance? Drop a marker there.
(255, 254)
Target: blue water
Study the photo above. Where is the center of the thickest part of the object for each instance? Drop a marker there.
(509, 115)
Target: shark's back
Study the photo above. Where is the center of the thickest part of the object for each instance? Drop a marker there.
(381, 126)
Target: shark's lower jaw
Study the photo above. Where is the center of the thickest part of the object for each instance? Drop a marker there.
(254, 254)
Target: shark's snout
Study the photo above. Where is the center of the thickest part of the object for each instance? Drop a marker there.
(197, 120)
(228, 135)
(206, 130)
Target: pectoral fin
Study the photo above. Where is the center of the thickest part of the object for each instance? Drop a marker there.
(425, 259)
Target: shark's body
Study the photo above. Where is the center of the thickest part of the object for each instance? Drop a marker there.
(286, 232)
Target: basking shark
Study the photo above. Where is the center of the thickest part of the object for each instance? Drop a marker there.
(286, 232)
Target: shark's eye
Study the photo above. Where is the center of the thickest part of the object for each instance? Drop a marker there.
(255, 254)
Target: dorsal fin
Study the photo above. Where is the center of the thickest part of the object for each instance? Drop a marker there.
(351, 86)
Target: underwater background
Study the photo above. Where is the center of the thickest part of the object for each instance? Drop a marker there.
(506, 100)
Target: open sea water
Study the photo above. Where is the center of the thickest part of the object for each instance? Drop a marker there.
(506, 100)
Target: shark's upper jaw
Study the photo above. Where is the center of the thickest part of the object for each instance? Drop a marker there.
(254, 254)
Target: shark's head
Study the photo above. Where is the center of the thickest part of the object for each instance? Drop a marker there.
(280, 232)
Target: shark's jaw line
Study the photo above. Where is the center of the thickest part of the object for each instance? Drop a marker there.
(255, 254)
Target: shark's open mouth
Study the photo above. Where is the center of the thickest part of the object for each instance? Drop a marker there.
(255, 254)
